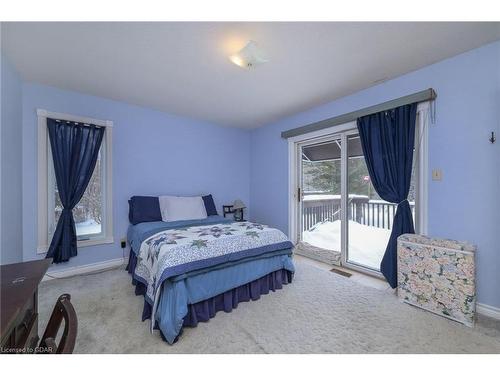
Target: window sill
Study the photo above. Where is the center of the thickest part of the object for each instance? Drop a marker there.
(95, 241)
(91, 242)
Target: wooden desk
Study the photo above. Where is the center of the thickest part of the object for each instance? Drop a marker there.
(19, 305)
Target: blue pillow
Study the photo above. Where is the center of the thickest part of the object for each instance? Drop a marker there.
(143, 209)
(209, 205)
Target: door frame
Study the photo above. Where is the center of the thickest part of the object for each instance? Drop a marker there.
(294, 145)
(294, 174)
(298, 171)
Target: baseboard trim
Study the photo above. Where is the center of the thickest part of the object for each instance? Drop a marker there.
(83, 269)
(487, 310)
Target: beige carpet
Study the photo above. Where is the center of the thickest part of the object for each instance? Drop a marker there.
(320, 312)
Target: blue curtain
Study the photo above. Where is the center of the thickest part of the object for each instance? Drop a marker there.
(75, 148)
(388, 139)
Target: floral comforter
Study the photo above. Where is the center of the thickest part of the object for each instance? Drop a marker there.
(174, 252)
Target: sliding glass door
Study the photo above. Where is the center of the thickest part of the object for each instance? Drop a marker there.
(320, 198)
(342, 219)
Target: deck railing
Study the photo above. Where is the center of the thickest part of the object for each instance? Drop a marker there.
(319, 207)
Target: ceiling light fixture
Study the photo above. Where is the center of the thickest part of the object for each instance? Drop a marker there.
(249, 56)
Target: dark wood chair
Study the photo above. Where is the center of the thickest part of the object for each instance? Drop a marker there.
(62, 310)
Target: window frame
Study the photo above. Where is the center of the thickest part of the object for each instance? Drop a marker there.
(46, 182)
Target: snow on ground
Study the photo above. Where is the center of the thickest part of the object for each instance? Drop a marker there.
(366, 244)
(87, 227)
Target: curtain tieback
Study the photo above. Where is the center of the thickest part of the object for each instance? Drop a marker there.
(404, 200)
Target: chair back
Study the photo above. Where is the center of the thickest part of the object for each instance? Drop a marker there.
(62, 310)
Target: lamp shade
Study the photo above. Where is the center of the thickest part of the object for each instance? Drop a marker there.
(238, 204)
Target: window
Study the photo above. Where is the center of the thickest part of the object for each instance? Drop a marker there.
(89, 212)
(93, 214)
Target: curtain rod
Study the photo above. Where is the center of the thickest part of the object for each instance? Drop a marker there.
(421, 96)
(87, 124)
(42, 113)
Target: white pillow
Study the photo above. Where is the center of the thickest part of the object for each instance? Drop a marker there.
(182, 208)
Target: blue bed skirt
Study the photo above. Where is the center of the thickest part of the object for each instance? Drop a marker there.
(205, 310)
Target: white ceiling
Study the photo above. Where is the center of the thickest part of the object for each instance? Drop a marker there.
(182, 68)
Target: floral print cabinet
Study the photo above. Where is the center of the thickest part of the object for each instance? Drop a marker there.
(438, 275)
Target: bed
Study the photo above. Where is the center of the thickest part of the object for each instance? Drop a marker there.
(188, 270)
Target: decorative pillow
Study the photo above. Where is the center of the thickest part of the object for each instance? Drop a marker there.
(143, 209)
(209, 205)
(182, 208)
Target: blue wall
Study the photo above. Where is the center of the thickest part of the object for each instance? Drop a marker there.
(153, 153)
(11, 161)
(157, 153)
(465, 205)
